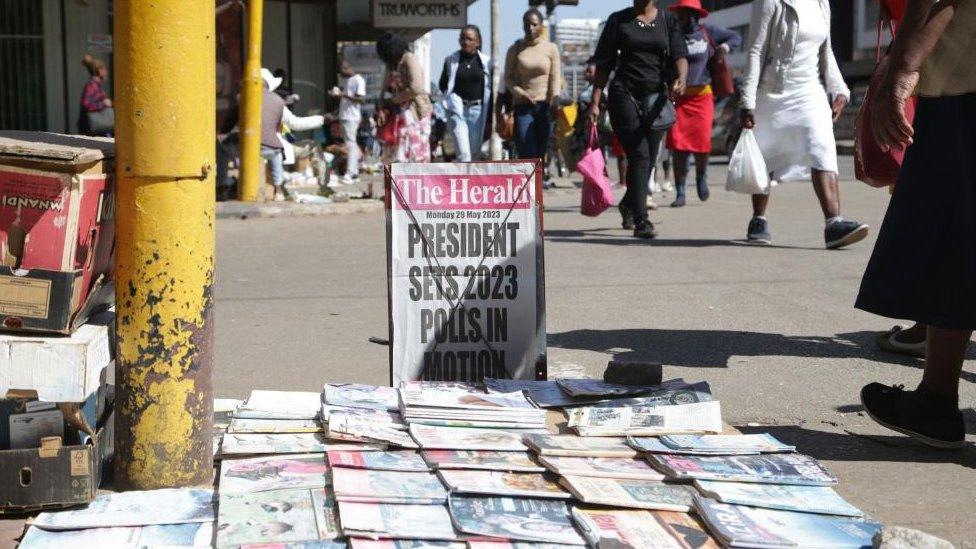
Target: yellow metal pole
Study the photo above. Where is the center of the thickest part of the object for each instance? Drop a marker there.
(164, 257)
(250, 118)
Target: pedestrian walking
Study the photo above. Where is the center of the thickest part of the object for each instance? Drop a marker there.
(466, 84)
(923, 266)
(413, 120)
(97, 116)
(644, 47)
(785, 101)
(532, 75)
(692, 132)
(350, 117)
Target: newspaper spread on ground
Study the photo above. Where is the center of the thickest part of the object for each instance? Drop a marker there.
(633, 529)
(741, 526)
(572, 445)
(501, 483)
(198, 534)
(355, 395)
(601, 467)
(700, 417)
(463, 438)
(547, 394)
(136, 508)
(669, 394)
(369, 486)
(265, 473)
(280, 405)
(763, 443)
(630, 493)
(242, 425)
(467, 405)
(768, 468)
(420, 522)
(488, 460)
(390, 460)
(344, 429)
(653, 445)
(599, 388)
(805, 499)
(279, 516)
(367, 543)
(291, 443)
(525, 519)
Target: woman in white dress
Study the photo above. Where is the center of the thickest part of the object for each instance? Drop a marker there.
(791, 71)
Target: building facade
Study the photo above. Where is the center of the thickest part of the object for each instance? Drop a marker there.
(576, 39)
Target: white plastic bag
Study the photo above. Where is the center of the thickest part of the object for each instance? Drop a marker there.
(747, 169)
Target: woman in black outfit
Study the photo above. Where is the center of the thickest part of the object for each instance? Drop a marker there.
(646, 48)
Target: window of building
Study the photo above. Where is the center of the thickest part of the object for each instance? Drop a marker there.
(22, 97)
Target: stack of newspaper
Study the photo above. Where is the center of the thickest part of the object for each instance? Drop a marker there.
(463, 405)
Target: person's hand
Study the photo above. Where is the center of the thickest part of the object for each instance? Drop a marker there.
(593, 114)
(526, 96)
(889, 124)
(747, 119)
(678, 87)
(107, 102)
(381, 118)
(838, 105)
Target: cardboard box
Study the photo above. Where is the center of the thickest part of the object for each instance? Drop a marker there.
(58, 368)
(56, 475)
(57, 229)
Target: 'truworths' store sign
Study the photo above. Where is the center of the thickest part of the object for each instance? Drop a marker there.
(410, 14)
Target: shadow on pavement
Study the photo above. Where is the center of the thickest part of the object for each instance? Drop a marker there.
(714, 348)
(624, 238)
(848, 446)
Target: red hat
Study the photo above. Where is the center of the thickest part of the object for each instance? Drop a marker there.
(690, 4)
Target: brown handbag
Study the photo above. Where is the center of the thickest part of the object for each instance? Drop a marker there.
(506, 126)
(722, 84)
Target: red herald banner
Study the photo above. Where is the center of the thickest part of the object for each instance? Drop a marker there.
(466, 275)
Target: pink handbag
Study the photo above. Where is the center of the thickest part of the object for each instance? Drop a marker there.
(597, 193)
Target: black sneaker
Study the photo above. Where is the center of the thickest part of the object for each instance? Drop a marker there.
(627, 217)
(927, 417)
(758, 232)
(645, 229)
(844, 233)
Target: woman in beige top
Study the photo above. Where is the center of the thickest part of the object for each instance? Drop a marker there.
(532, 76)
(413, 127)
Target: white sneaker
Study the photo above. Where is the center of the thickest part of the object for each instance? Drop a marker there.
(350, 179)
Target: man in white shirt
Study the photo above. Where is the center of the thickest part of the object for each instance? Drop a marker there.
(350, 115)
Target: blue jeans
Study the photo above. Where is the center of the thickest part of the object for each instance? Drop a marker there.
(532, 130)
(276, 161)
(468, 129)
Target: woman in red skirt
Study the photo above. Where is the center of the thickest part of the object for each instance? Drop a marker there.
(692, 133)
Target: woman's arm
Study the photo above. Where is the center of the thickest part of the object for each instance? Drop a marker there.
(555, 77)
(832, 77)
(679, 53)
(680, 81)
(762, 15)
(605, 60)
(511, 84)
(724, 37)
(445, 76)
(301, 123)
(415, 84)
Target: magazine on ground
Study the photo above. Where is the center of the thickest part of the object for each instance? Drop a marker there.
(369, 486)
(291, 443)
(390, 460)
(700, 417)
(279, 516)
(768, 468)
(638, 529)
(653, 445)
(804, 499)
(368, 543)
(137, 508)
(260, 474)
(464, 438)
(629, 493)
(572, 445)
(668, 395)
(198, 534)
(355, 395)
(488, 460)
(369, 432)
(367, 415)
(522, 519)
(501, 483)
(632, 468)
(752, 527)
(464, 396)
(763, 443)
(280, 405)
(482, 543)
(242, 425)
(600, 388)
(426, 522)
(482, 424)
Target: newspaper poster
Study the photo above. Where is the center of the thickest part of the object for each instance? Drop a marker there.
(465, 271)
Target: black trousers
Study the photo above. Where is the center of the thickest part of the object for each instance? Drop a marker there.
(641, 144)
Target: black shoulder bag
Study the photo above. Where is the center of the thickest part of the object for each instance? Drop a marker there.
(656, 109)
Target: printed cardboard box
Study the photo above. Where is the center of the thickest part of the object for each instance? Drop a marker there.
(57, 229)
(58, 368)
